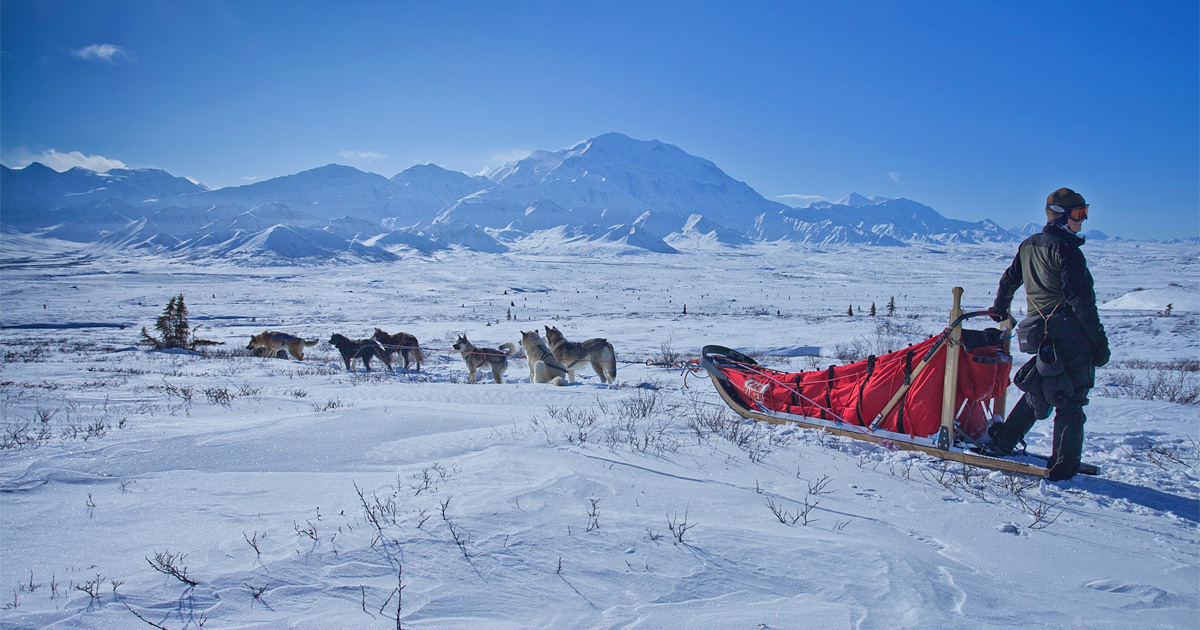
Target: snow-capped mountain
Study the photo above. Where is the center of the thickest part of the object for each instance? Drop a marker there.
(627, 178)
(469, 235)
(610, 192)
(801, 226)
(413, 196)
(1029, 229)
(698, 232)
(30, 195)
(400, 240)
(853, 199)
(900, 219)
(422, 191)
(323, 193)
(79, 186)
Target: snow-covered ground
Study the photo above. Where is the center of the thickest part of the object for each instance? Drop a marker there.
(296, 494)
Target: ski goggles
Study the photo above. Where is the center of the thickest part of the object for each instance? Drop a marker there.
(1078, 214)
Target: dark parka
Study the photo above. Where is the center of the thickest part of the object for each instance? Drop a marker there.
(1059, 287)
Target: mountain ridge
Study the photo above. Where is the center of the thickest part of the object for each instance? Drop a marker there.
(612, 191)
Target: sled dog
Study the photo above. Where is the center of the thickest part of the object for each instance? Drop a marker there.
(271, 342)
(403, 343)
(363, 349)
(477, 357)
(598, 352)
(542, 366)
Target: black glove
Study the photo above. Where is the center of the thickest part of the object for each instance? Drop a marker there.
(1100, 356)
(998, 314)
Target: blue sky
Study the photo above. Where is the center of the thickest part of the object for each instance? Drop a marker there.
(978, 109)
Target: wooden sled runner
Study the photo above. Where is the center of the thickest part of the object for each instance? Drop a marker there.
(934, 397)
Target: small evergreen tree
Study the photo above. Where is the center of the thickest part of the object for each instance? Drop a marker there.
(850, 311)
(174, 330)
(872, 309)
(891, 307)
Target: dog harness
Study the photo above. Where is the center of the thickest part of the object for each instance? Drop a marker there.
(583, 353)
(553, 359)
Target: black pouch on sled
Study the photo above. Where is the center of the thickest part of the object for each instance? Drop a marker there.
(1030, 333)
(972, 339)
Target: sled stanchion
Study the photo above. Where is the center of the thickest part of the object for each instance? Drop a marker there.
(950, 385)
(999, 411)
(912, 378)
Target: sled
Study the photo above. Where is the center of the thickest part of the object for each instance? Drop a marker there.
(935, 396)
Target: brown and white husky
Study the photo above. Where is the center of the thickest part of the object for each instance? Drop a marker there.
(543, 368)
(477, 357)
(569, 354)
(403, 343)
(272, 342)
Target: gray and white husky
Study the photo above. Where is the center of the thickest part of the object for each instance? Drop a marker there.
(477, 357)
(598, 352)
(543, 368)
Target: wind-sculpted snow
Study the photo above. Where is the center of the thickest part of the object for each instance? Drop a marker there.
(1179, 296)
(298, 494)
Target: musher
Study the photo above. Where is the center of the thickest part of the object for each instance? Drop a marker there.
(1059, 289)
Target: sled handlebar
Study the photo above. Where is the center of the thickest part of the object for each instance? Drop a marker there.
(968, 315)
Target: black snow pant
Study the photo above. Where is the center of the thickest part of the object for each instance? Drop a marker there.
(1067, 452)
(1072, 347)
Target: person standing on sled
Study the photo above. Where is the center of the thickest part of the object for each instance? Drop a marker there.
(1060, 293)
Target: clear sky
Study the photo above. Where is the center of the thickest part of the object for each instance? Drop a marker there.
(978, 109)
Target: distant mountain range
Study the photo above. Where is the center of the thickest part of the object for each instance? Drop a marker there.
(611, 193)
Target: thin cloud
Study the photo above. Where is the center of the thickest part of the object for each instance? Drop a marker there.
(368, 156)
(801, 198)
(62, 162)
(108, 53)
(894, 177)
(249, 178)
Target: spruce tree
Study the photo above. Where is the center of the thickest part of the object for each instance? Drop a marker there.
(891, 306)
(872, 309)
(850, 311)
(177, 329)
(174, 330)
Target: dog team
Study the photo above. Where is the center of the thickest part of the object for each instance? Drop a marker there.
(552, 360)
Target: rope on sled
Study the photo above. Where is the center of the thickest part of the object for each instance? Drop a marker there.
(944, 339)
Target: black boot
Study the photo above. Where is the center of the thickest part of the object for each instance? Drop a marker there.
(1068, 444)
(1005, 435)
